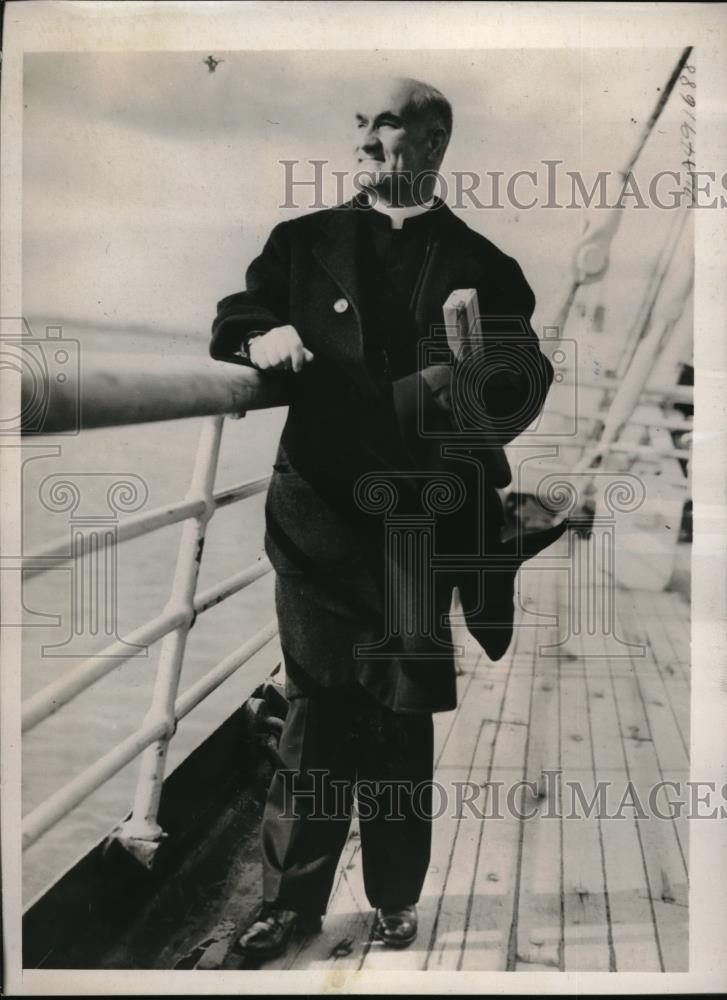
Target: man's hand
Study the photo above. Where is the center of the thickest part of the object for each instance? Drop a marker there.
(280, 347)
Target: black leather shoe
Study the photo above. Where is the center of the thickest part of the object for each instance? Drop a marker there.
(396, 928)
(270, 933)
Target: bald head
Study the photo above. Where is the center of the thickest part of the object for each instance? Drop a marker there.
(424, 102)
(403, 129)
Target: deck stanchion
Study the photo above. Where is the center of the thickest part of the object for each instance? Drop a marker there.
(141, 833)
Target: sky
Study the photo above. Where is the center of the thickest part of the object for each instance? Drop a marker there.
(151, 182)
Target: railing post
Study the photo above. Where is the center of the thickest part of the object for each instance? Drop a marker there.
(141, 833)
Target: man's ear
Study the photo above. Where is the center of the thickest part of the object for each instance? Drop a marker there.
(437, 143)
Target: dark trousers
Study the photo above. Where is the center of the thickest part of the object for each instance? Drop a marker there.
(336, 747)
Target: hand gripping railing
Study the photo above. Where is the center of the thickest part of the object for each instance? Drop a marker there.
(117, 392)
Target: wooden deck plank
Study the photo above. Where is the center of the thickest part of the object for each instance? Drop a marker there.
(633, 926)
(674, 609)
(539, 931)
(659, 705)
(455, 916)
(658, 709)
(666, 874)
(673, 613)
(447, 934)
(646, 627)
(489, 936)
(588, 943)
(668, 615)
(486, 940)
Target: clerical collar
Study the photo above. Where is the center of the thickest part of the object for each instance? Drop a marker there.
(398, 215)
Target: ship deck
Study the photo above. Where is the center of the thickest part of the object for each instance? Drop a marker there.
(551, 888)
(545, 893)
(536, 883)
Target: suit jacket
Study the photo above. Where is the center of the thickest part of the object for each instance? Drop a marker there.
(355, 472)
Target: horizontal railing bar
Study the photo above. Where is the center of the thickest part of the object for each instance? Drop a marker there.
(549, 468)
(49, 699)
(142, 524)
(67, 798)
(668, 423)
(212, 680)
(646, 450)
(131, 527)
(46, 815)
(676, 393)
(113, 390)
(241, 491)
(231, 585)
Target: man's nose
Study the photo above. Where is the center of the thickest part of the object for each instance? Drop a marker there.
(369, 142)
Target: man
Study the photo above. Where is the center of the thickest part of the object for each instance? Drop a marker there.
(342, 300)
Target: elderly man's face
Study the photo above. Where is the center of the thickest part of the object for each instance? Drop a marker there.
(394, 145)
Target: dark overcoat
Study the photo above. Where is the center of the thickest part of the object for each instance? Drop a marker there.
(372, 509)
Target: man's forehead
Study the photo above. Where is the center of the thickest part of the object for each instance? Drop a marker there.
(373, 98)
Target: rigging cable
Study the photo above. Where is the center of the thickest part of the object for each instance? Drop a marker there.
(591, 253)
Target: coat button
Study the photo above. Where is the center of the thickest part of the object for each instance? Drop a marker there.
(340, 305)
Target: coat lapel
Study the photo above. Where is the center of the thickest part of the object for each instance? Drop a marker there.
(449, 265)
(336, 251)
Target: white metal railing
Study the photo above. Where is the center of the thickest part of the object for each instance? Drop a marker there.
(54, 552)
(233, 388)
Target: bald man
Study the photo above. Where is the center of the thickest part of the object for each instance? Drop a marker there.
(338, 304)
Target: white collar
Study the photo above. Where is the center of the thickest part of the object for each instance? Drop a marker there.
(397, 215)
